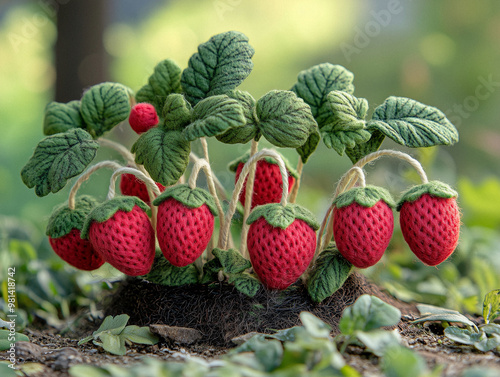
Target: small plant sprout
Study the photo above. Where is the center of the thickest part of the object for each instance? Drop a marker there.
(279, 243)
(484, 337)
(114, 335)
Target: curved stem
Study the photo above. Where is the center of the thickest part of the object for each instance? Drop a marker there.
(403, 156)
(204, 145)
(86, 175)
(223, 238)
(296, 186)
(248, 200)
(218, 185)
(124, 152)
(150, 184)
(202, 164)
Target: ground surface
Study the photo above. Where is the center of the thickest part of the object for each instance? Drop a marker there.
(52, 354)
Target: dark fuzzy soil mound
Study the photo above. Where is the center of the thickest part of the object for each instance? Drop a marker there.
(221, 313)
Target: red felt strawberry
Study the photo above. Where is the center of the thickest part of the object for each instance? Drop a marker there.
(185, 223)
(64, 228)
(268, 185)
(281, 243)
(143, 117)
(130, 185)
(120, 231)
(363, 224)
(430, 221)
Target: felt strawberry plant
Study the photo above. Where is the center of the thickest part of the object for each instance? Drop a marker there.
(171, 232)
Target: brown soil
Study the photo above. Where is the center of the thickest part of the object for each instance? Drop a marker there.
(220, 313)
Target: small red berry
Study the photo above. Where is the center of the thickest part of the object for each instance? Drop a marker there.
(143, 117)
(130, 185)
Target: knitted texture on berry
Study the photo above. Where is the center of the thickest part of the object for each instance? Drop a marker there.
(431, 227)
(363, 233)
(142, 117)
(130, 185)
(183, 233)
(280, 256)
(77, 252)
(268, 185)
(126, 241)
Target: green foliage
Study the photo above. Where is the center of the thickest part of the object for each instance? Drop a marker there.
(246, 283)
(164, 81)
(165, 273)
(176, 112)
(164, 154)
(285, 120)
(114, 334)
(104, 106)
(213, 116)
(434, 188)
(231, 261)
(328, 275)
(366, 196)
(399, 361)
(7, 338)
(280, 216)
(58, 158)
(219, 66)
(362, 321)
(192, 198)
(61, 117)
(412, 123)
(484, 337)
(345, 127)
(64, 219)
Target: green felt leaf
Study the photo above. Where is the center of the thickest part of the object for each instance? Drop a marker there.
(463, 336)
(231, 260)
(363, 149)
(104, 106)
(176, 112)
(165, 80)
(113, 325)
(5, 341)
(140, 335)
(214, 115)
(106, 210)
(282, 217)
(164, 154)
(307, 149)
(111, 343)
(285, 120)
(247, 284)
(315, 326)
(164, 273)
(399, 361)
(61, 117)
(58, 158)
(192, 198)
(434, 188)
(378, 341)
(249, 130)
(63, 219)
(233, 165)
(314, 84)
(368, 313)
(345, 127)
(412, 123)
(366, 196)
(329, 274)
(219, 66)
(491, 306)
(210, 271)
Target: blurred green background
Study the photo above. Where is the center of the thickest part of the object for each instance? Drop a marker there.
(444, 53)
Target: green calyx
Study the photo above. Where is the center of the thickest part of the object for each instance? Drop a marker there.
(233, 165)
(192, 198)
(280, 216)
(433, 188)
(107, 210)
(366, 196)
(63, 220)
